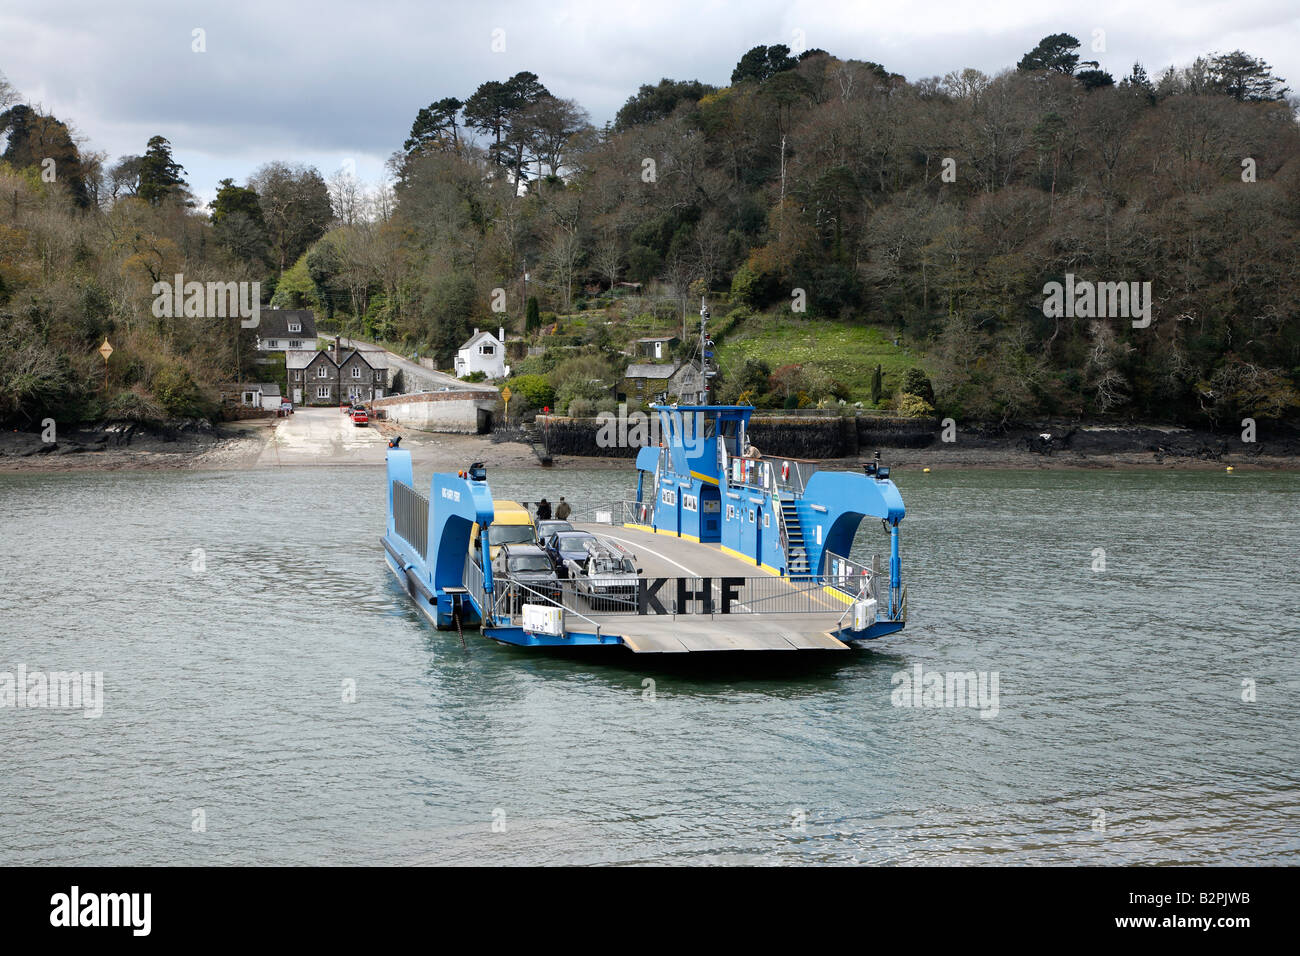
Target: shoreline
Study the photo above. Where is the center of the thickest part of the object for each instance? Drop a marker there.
(315, 437)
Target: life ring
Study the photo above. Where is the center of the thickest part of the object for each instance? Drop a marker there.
(785, 471)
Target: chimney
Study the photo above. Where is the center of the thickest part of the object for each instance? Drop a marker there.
(476, 331)
(501, 334)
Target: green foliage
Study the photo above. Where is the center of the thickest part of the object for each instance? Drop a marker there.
(913, 406)
(915, 382)
(160, 175)
(297, 290)
(532, 316)
(535, 390)
(651, 103)
(763, 62)
(1054, 53)
(176, 392)
(134, 405)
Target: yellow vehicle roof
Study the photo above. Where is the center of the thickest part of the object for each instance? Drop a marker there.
(510, 512)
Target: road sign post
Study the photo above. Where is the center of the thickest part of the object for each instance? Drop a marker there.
(106, 350)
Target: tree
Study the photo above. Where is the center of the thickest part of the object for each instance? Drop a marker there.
(124, 177)
(8, 95)
(1054, 53)
(494, 109)
(1245, 78)
(551, 125)
(160, 175)
(763, 62)
(1138, 82)
(235, 199)
(34, 139)
(651, 103)
(295, 206)
(1094, 79)
(436, 126)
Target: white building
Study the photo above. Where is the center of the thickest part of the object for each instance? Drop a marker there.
(283, 329)
(484, 352)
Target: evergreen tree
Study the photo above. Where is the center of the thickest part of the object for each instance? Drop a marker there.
(160, 175)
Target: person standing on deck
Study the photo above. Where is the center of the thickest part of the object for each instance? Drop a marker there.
(562, 510)
(543, 510)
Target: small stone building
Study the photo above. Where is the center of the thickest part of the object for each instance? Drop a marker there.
(325, 378)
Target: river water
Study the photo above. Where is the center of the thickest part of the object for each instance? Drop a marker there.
(231, 614)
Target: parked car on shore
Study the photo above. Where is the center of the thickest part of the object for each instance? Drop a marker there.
(360, 416)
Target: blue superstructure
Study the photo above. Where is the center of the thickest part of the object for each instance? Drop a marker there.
(707, 483)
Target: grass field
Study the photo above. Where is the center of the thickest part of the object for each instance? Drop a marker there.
(849, 352)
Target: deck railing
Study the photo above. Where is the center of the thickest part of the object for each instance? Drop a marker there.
(851, 577)
(411, 517)
(713, 596)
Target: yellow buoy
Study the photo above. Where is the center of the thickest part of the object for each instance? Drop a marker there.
(1229, 468)
(925, 470)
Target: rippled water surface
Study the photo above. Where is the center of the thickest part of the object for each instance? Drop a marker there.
(1121, 733)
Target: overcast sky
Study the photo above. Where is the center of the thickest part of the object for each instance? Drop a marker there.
(329, 82)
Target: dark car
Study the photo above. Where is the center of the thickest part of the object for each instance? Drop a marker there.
(531, 567)
(547, 528)
(565, 546)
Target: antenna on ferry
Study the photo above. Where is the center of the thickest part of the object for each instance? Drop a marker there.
(706, 349)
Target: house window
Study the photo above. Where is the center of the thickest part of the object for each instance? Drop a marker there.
(297, 375)
(321, 371)
(322, 391)
(356, 371)
(487, 350)
(295, 326)
(272, 343)
(354, 392)
(295, 344)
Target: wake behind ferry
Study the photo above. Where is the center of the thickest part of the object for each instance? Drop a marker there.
(722, 549)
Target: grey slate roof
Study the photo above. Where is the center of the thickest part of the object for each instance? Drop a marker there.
(299, 358)
(274, 323)
(651, 371)
(475, 338)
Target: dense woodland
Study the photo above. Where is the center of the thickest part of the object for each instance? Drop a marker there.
(932, 211)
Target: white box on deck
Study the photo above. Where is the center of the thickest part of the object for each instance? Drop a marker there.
(604, 517)
(544, 619)
(864, 614)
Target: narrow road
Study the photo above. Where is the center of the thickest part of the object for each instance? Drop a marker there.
(415, 377)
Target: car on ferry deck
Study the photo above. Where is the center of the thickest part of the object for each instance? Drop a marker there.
(531, 567)
(512, 523)
(549, 527)
(608, 577)
(566, 546)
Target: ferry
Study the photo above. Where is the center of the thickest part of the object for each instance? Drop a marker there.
(733, 550)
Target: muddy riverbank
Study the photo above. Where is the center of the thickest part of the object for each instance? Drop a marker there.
(323, 436)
